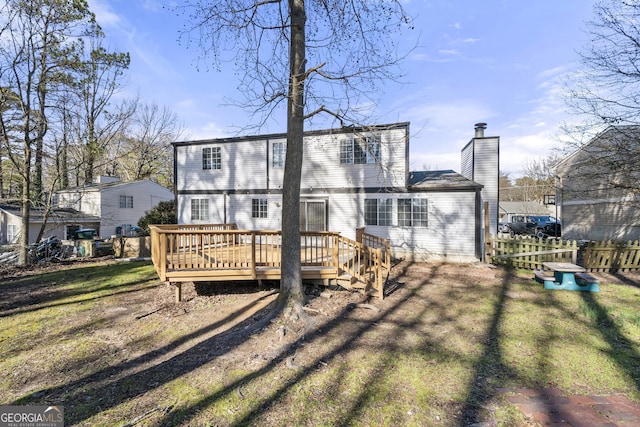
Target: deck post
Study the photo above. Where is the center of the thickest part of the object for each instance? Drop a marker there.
(253, 254)
(178, 291)
(162, 254)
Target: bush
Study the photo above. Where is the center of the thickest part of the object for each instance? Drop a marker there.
(162, 213)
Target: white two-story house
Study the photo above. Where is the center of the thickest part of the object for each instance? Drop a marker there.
(118, 205)
(351, 178)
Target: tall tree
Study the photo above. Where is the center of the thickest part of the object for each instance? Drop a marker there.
(606, 96)
(607, 89)
(326, 56)
(145, 148)
(37, 40)
(99, 79)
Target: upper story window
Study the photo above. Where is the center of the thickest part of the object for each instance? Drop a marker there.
(378, 211)
(413, 212)
(279, 154)
(126, 202)
(259, 208)
(200, 209)
(360, 151)
(211, 158)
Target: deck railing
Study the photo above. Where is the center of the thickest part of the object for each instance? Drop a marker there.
(221, 252)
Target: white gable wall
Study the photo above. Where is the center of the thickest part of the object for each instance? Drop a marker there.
(82, 200)
(146, 195)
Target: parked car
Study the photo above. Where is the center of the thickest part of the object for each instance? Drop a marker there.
(85, 234)
(535, 225)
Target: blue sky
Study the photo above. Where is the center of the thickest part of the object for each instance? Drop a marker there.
(495, 61)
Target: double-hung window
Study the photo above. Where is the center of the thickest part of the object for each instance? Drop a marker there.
(378, 211)
(413, 212)
(279, 152)
(126, 202)
(12, 233)
(259, 208)
(211, 158)
(199, 209)
(360, 151)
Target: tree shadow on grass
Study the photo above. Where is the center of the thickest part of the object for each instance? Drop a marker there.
(32, 293)
(621, 350)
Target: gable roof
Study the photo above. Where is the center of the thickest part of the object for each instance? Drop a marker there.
(523, 208)
(442, 180)
(106, 185)
(36, 214)
(600, 145)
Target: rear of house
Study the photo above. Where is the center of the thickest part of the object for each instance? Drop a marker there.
(351, 178)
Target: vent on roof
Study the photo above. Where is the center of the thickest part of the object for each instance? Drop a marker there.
(480, 127)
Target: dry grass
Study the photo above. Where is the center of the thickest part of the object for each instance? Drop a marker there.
(106, 341)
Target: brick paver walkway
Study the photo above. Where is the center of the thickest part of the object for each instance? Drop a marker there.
(552, 407)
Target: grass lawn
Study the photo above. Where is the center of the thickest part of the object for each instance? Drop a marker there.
(106, 341)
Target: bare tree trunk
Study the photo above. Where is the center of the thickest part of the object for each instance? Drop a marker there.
(291, 284)
(23, 243)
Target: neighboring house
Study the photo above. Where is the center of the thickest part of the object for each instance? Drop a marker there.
(351, 178)
(59, 218)
(118, 205)
(598, 187)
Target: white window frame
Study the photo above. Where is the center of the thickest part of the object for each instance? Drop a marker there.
(200, 209)
(360, 150)
(126, 202)
(417, 214)
(211, 158)
(259, 208)
(13, 233)
(383, 212)
(279, 154)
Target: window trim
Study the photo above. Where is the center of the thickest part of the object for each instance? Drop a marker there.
(212, 158)
(418, 214)
(278, 156)
(383, 212)
(259, 208)
(202, 214)
(360, 150)
(123, 201)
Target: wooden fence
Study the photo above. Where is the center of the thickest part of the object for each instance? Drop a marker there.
(611, 256)
(530, 252)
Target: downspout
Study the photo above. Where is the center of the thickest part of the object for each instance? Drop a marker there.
(175, 181)
(267, 168)
(224, 207)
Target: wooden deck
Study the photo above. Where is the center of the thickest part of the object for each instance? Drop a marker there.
(220, 252)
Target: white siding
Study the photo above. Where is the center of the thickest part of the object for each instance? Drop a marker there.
(82, 200)
(601, 220)
(243, 167)
(450, 235)
(146, 195)
(247, 173)
(481, 163)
